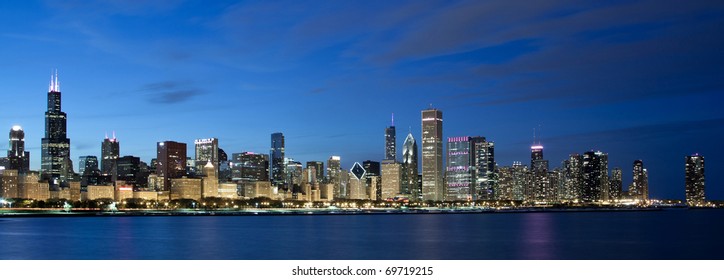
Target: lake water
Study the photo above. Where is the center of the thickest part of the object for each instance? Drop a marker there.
(668, 234)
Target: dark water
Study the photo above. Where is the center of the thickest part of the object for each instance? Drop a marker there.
(669, 234)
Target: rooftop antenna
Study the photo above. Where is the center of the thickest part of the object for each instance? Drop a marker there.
(57, 85)
(393, 119)
(534, 136)
(114, 135)
(106, 134)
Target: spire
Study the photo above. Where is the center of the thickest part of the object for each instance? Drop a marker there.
(393, 119)
(54, 84)
(114, 135)
(106, 135)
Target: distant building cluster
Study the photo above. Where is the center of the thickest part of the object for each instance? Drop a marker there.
(469, 172)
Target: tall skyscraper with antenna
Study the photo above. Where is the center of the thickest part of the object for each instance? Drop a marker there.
(110, 151)
(55, 146)
(390, 146)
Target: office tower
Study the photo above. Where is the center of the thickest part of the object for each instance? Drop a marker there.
(432, 172)
(695, 180)
(276, 159)
(458, 173)
(293, 171)
(55, 146)
(318, 169)
(334, 170)
(344, 179)
(573, 178)
(390, 139)
(484, 177)
(639, 188)
(170, 162)
(206, 150)
(409, 169)
(88, 165)
(371, 167)
(391, 179)
(373, 187)
(250, 167)
(357, 182)
(595, 176)
(18, 158)
(110, 150)
(616, 184)
(128, 169)
(222, 155)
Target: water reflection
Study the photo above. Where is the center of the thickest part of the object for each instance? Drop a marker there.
(537, 236)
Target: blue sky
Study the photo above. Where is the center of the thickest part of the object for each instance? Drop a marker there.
(635, 79)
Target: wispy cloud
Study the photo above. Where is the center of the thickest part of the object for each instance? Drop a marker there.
(170, 92)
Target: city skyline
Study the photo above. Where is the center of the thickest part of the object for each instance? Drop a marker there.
(654, 125)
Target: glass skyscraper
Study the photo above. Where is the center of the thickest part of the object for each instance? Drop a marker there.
(695, 180)
(409, 168)
(276, 159)
(390, 139)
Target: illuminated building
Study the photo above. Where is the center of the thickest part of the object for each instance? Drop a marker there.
(482, 162)
(695, 181)
(100, 192)
(595, 177)
(248, 166)
(276, 159)
(171, 162)
(390, 139)
(639, 187)
(410, 185)
(210, 183)
(123, 191)
(373, 188)
(318, 169)
(573, 174)
(391, 179)
(110, 150)
(9, 184)
(432, 168)
(540, 187)
(128, 169)
(258, 189)
(146, 195)
(293, 175)
(458, 171)
(616, 184)
(357, 182)
(88, 165)
(18, 158)
(334, 169)
(206, 150)
(185, 188)
(228, 190)
(55, 146)
(74, 188)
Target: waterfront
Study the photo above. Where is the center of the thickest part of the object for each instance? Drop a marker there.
(667, 234)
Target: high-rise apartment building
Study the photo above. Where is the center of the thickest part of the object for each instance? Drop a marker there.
(55, 146)
(432, 168)
(318, 169)
(250, 167)
(695, 180)
(639, 188)
(170, 161)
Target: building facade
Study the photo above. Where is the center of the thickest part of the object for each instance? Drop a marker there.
(695, 180)
(432, 164)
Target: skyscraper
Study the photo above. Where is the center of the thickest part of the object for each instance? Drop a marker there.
(276, 159)
(206, 150)
(391, 179)
(170, 161)
(639, 188)
(334, 169)
(55, 146)
(88, 165)
(250, 167)
(540, 187)
(616, 184)
(390, 139)
(318, 169)
(458, 170)
(591, 177)
(110, 150)
(695, 180)
(18, 158)
(432, 169)
(482, 161)
(409, 168)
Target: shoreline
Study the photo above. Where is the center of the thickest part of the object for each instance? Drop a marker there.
(313, 212)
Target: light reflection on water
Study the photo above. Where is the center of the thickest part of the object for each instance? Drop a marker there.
(595, 235)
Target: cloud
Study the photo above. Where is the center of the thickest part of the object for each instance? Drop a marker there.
(169, 92)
